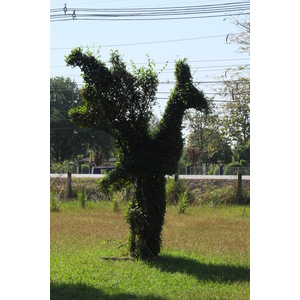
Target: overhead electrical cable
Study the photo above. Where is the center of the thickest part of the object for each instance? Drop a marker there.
(192, 68)
(196, 82)
(150, 42)
(148, 14)
(190, 61)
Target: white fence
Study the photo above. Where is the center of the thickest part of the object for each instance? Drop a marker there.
(182, 170)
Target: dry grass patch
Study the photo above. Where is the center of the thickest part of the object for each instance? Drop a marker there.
(88, 228)
(208, 231)
(222, 231)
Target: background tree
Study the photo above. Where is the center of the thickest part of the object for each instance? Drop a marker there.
(236, 87)
(67, 139)
(193, 154)
(63, 142)
(197, 123)
(236, 120)
(242, 38)
(206, 135)
(120, 103)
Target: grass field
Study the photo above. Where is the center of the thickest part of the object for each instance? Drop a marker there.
(205, 255)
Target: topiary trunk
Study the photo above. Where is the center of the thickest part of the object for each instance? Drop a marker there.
(146, 217)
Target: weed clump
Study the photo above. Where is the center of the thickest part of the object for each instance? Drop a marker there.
(82, 198)
(116, 202)
(182, 203)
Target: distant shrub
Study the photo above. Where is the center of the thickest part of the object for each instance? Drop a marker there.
(232, 169)
(85, 169)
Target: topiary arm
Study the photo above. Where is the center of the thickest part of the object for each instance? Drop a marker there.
(94, 71)
(99, 108)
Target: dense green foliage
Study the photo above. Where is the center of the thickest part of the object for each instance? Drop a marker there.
(206, 136)
(242, 152)
(120, 103)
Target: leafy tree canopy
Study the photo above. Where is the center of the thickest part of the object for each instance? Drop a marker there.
(67, 139)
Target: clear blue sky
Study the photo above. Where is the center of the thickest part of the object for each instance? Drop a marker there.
(201, 40)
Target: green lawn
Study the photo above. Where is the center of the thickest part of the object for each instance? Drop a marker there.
(205, 255)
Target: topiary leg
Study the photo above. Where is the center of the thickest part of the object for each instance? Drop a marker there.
(146, 217)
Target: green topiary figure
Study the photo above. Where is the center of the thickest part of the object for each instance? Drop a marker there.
(120, 103)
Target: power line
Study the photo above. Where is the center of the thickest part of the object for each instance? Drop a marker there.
(144, 19)
(164, 93)
(208, 67)
(163, 10)
(203, 7)
(146, 43)
(196, 82)
(190, 61)
(204, 82)
(148, 14)
(221, 68)
(206, 93)
(200, 68)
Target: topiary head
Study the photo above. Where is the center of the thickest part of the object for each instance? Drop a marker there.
(191, 97)
(182, 71)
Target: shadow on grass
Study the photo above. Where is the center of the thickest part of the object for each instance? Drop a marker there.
(202, 271)
(84, 292)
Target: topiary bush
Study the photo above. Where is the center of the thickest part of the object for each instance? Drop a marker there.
(120, 103)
